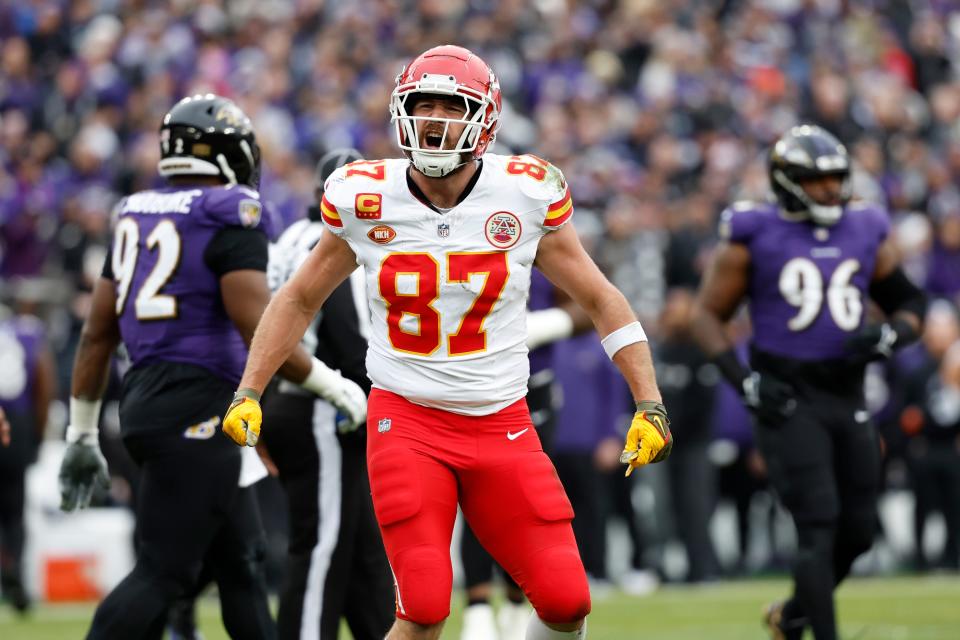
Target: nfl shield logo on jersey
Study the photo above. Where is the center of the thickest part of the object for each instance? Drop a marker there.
(384, 425)
(503, 229)
(443, 230)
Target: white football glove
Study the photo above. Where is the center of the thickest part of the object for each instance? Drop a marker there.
(344, 394)
(351, 401)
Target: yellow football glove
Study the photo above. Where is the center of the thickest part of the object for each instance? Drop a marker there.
(243, 419)
(649, 439)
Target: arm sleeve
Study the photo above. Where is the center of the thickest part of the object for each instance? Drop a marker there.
(235, 248)
(896, 293)
(340, 345)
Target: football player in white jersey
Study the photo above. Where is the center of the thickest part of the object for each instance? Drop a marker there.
(447, 241)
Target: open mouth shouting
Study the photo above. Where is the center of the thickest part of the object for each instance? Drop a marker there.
(432, 140)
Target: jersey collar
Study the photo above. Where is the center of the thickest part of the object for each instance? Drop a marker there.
(419, 195)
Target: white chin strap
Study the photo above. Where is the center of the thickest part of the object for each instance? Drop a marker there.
(436, 165)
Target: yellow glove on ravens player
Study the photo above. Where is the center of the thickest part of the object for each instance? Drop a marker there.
(243, 419)
(649, 439)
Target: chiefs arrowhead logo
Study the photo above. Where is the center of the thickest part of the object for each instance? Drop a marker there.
(503, 229)
(382, 234)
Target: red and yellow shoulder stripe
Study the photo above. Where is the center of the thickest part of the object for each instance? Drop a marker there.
(329, 213)
(560, 211)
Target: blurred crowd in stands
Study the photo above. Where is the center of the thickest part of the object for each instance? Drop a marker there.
(659, 114)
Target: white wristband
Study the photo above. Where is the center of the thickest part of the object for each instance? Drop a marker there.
(322, 380)
(547, 326)
(84, 417)
(625, 335)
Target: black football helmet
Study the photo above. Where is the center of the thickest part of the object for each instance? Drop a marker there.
(804, 152)
(209, 135)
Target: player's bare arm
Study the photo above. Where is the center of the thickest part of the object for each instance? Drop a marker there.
(279, 332)
(723, 289)
(580, 319)
(45, 390)
(245, 296)
(290, 311)
(84, 468)
(564, 261)
(4, 429)
(98, 340)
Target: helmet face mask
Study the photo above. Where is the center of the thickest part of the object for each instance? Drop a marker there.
(805, 153)
(450, 72)
(207, 135)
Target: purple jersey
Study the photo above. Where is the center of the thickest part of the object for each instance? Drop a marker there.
(168, 298)
(807, 284)
(21, 339)
(595, 395)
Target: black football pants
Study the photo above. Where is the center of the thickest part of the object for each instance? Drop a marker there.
(336, 564)
(14, 460)
(189, 507)
(12, 533)
(824, 463)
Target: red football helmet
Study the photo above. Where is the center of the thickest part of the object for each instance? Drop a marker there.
(451, 71)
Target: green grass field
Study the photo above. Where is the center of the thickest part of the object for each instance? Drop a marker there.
(870, 609)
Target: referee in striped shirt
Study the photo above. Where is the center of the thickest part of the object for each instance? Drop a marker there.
(337, 567)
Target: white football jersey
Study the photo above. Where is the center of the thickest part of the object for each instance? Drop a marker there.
(448, 292)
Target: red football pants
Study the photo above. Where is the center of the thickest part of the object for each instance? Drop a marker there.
(423, 461)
